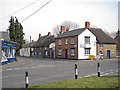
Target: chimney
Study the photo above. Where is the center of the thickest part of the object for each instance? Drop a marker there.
(39, 35)
(49, 33)
(62, 29)
(32, 40)
(87, 25)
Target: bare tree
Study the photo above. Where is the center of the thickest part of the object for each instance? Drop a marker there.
(111, 34)
(68, 26)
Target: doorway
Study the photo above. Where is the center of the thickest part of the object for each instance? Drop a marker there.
(108, 54)
(66, 54)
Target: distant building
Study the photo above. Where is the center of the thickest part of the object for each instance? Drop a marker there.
(80, 43)
(27, 49)
(44, 46)
(7, 48)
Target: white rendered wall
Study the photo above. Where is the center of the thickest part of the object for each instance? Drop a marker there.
(82, 45)
(25, 52)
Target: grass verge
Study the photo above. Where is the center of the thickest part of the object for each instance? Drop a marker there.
(88, 82)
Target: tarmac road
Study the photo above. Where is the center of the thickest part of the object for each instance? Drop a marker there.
(49, 70)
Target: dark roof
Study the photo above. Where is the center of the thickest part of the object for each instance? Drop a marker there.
(4, 35)
(102, 37)
(29, 45)
(44, 41)
(71, 33)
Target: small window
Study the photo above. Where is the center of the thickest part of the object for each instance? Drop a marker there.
(72, 52)
(101, 45)
(72, 40)
(87, 40)
(59, 42)
(59, 51)
(87, 51)
(66, 41)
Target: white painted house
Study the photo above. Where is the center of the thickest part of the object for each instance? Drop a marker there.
(27, 50)
(86, 44)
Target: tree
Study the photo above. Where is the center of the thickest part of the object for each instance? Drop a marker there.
(68, 26)
(16, 33)
(111, 34)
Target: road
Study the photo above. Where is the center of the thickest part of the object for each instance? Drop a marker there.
(50, 70)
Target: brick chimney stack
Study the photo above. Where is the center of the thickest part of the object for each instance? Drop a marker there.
(62, 29)
(49, 33)
(39, 35)
(87, 25)
(32, 40)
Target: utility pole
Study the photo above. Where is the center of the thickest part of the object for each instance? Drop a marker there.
(30, 46)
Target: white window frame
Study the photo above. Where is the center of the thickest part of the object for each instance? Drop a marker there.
(101, 45)
(72, 51)
(72, 41)
(59, 51)
(59, 42)
(66, 41)
(87, 39)
(87, 51)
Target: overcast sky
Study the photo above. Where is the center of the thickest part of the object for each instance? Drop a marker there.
(100, 13)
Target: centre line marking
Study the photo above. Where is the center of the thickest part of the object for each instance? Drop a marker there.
(12, 76)
(9, 69)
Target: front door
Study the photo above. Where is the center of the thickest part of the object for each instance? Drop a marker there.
(66, 54)
(108, 53)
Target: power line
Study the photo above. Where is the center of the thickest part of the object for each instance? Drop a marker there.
(36, 11)
(19, 10)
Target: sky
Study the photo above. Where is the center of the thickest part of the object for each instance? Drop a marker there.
(100, 13)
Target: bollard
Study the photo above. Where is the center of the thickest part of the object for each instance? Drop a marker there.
(76, 71)
(26, 80)
(98, 69)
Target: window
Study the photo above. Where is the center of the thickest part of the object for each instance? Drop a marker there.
(59, 42)
(72, 52)
(59, 51)
(87, 51)
(66, 41)
(101, 45)
(87, 40)
(72, 40)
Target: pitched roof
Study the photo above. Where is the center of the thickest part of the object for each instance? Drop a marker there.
(44, 41)
(102, 37)
(29, 44)
(71, 33)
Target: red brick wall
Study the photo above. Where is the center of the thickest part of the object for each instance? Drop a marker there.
(68, 46)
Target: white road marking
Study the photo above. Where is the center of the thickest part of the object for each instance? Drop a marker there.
(8, 69)
(17, 68)
(12, 76)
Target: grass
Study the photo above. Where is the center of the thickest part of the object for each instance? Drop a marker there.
(88, 82)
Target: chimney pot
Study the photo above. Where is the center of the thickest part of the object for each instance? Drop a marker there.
(87, 25)
(49, 33)
(39, 35)
(62, 29)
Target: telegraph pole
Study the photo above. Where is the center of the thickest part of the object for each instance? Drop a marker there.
(30, 46)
